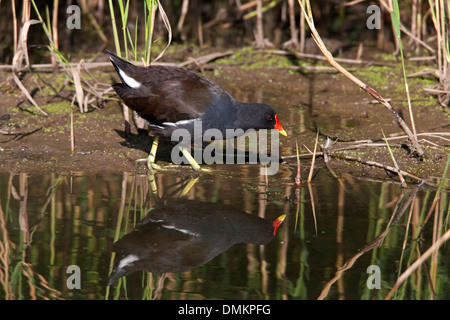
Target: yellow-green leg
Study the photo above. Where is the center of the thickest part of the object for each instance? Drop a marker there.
(189, 158)
(153, 186)
(152, 155)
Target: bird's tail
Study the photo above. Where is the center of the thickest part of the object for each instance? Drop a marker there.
(119, 62)
(124, 69)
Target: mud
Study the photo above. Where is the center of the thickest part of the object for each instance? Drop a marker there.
(307, 103)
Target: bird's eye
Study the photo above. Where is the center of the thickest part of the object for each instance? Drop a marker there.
(269, 118)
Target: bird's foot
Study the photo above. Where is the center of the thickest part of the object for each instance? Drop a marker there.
(184, 167)
(151, 165)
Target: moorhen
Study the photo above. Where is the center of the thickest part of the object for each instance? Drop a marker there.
(170, 98)
(181, 234)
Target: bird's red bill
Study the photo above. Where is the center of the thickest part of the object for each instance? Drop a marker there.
(278, 126)
(278, 223)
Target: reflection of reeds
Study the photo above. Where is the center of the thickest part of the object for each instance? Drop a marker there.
(4, 255)
(142, 199)
(74, 220)
(416, 262)
(378, 242)
(17, 275)
(441, 234)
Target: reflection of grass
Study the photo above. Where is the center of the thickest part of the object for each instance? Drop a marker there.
(384, 247)
(19, 278)
(441, 234)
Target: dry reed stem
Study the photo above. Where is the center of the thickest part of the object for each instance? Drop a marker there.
(166, 22)
(184, 11)
(75, 72)
(416, 39)
(258, 33)
(349, 4)
(13, 7)
(335, 155)
(396, 24)
(93, 21)
(292, 26)
(438, 10)
(204, 59)
(414, 29)
(72, 137)
(417, 149)
(313, 158)
(298, 178)
(300, 55)
(372, 143)
(383, 166)
(27, 94)
(91, 65)
(22, 54)
(399, 172)
(302, 32)
(55, 34)
(149, 40)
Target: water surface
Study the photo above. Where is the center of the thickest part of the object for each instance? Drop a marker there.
(333, 232)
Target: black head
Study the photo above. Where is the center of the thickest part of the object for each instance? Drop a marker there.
(258, 116)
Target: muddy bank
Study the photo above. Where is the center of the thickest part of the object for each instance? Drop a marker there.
(306, 101)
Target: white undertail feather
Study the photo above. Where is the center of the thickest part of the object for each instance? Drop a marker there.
(129, 80)
(179, 123)
(127, 260)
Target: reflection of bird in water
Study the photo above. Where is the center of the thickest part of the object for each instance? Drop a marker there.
(186, 233)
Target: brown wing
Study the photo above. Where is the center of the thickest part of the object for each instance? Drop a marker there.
(169, 94)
